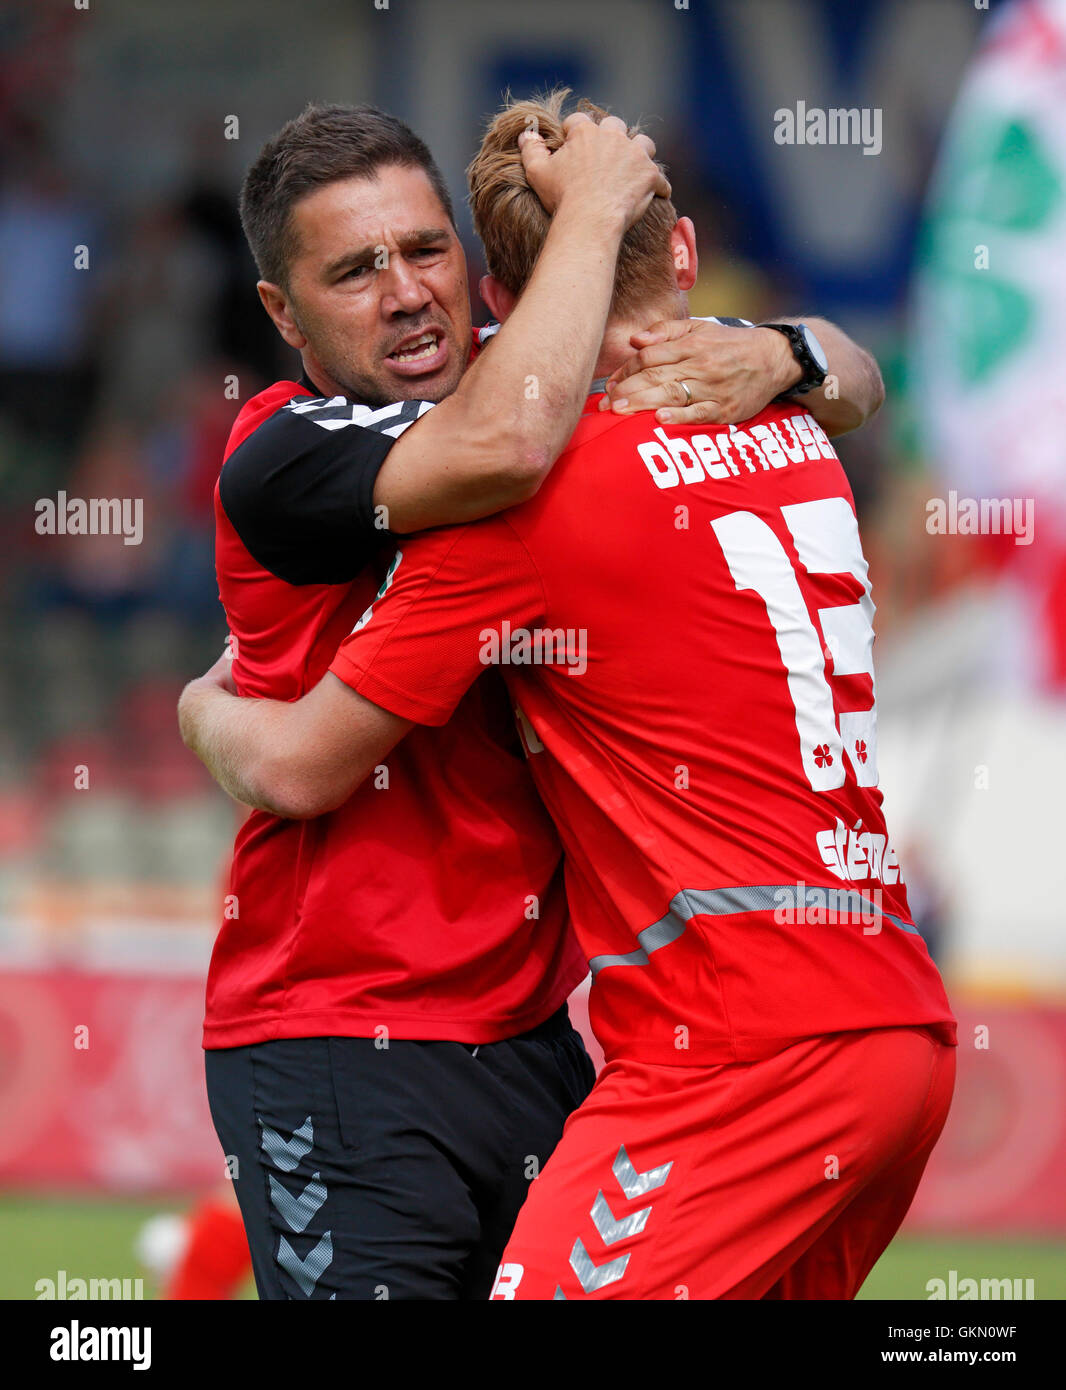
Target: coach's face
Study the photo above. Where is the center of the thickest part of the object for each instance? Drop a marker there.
(377, 300)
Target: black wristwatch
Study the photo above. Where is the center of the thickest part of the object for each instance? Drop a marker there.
(807, 351)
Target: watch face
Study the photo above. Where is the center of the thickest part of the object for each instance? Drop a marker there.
(814, 347)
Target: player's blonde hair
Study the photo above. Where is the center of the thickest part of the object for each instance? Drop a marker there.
(512, 224)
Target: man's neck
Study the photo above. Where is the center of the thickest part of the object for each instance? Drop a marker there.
(314, 376)
(616, 347)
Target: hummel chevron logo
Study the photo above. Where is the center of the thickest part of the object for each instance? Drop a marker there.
(296, 1212)
(591, 1276)
(286, 1154)
(611, 1228)
(301, 405)
(338, 413)
(635, 1184)
(608, 1226)
(308, 1271)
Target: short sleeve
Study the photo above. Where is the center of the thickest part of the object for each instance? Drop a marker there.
(448, 609)
(299, 491)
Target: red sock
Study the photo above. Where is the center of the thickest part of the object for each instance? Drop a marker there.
(216, 1259)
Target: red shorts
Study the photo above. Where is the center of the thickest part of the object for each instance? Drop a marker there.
(783, 1178)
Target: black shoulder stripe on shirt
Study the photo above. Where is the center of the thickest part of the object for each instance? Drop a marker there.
(299, 491)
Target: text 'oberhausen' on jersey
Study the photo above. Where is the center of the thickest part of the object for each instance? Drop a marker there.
(672, 460)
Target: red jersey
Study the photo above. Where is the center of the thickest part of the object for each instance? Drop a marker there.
(431, 904)
(683, 618)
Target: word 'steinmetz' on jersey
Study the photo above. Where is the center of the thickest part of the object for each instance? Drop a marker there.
(683, 618)
(406, 913)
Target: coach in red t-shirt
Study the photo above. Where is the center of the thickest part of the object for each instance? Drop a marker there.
(388, 1053)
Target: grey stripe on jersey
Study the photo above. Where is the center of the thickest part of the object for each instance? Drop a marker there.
(732, 901)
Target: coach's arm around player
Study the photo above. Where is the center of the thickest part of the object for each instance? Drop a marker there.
(733, 369)
(304, 758)
(295, 759)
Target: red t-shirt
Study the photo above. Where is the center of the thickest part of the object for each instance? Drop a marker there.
(683, 618)
(431, 903)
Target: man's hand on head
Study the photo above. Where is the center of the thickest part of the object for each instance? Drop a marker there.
(599, 167)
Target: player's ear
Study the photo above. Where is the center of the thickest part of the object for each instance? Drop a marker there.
(683, 250)
(498, 298)
(276, 302)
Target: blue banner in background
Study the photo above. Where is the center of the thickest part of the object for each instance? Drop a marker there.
(837, 222)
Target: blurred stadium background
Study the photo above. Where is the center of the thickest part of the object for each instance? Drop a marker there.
(942, 252)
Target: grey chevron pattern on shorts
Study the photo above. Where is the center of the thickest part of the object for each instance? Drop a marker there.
(592, 1276)
(297, 1212)
(307, 1271)
(635, 1184)
(286, 1153)
(609, 1228)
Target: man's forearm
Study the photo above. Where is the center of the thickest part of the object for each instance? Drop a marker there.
(518, 405)
(543, 359)
(295, 759)
(227, 733)
(853, 389)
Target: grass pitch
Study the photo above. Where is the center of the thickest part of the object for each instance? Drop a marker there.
(95, 1239)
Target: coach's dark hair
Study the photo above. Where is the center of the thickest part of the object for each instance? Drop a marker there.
(318, 147)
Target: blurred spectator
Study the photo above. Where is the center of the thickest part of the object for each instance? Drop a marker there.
(239, 329)
(161, 287)
(45, 381)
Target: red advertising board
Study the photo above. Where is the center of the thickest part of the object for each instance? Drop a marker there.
(102, 1082)
(998, 1166)
(101, 1088)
